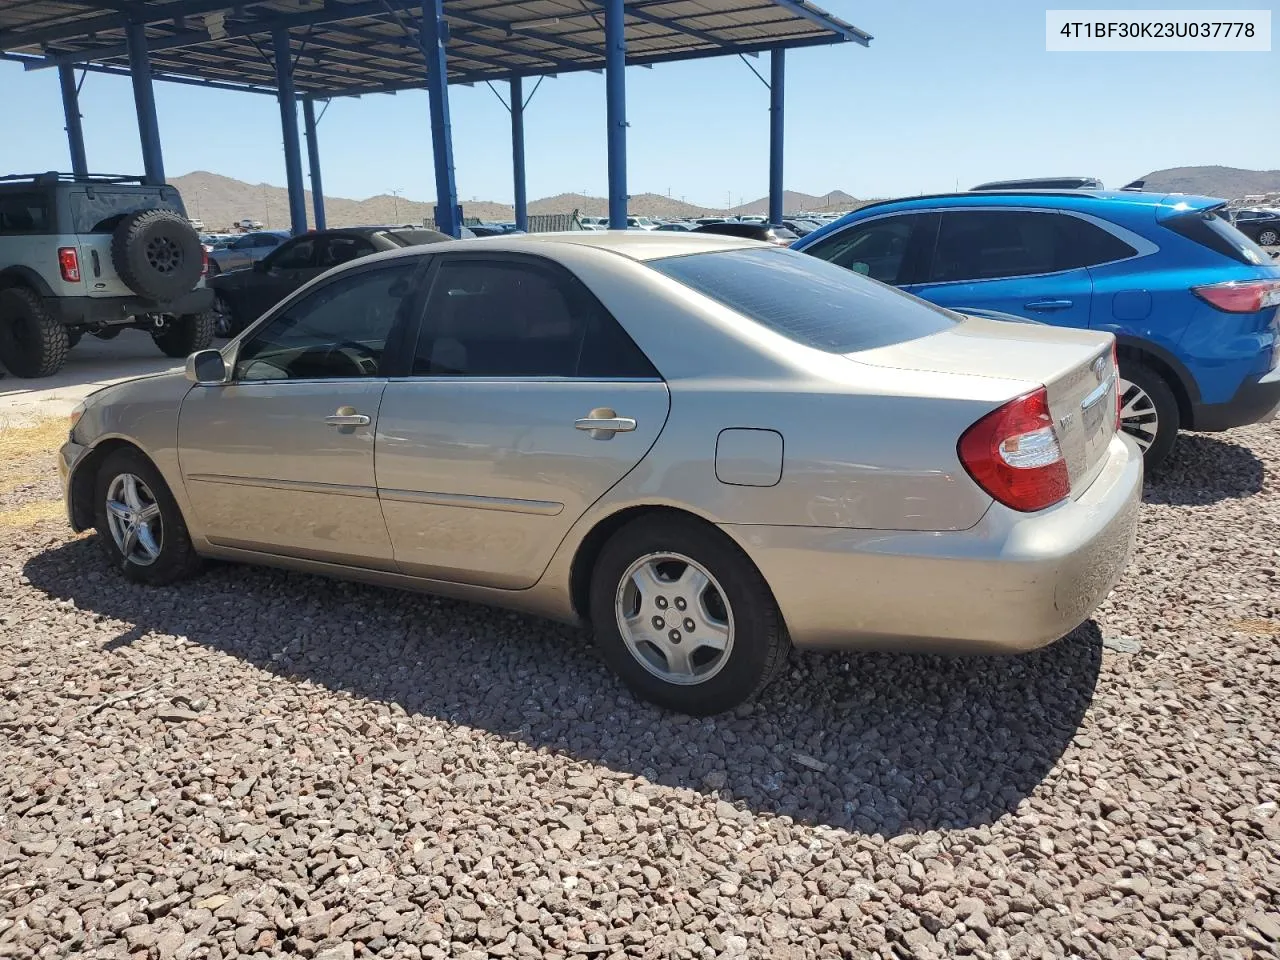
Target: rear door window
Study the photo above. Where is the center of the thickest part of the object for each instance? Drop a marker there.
(991, 244)
(806, 299)
(889, 249)
(490, 318)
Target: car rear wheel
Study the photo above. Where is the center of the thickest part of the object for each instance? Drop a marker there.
(139, 523)
(1269, 238)
(33, 343)
(1148, 412)
(183, 336)
(684, 617)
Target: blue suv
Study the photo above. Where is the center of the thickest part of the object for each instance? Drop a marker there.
(1194, 304)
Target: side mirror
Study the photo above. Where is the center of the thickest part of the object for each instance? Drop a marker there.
(207, 367)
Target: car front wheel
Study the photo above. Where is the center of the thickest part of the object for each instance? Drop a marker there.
(139, 523)
(684, 617)
(1148, 411)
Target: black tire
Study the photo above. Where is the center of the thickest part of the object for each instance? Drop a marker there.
(32, 342)
(177, 560)
(183, 336)
(1268, 237)
(157, 253)
(1162, 409)
(227, 319)
(759, 644)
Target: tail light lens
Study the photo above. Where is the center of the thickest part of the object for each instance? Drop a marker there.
(1240, 296)
(69, 264)
(1014, 455)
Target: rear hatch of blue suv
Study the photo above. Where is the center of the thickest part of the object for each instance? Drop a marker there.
(1194, 304)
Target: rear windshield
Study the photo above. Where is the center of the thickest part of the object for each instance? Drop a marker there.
(101, 212)
(807, 300)
(1211, 229)
(413, 237)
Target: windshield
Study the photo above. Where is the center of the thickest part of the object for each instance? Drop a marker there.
(807, 300)
(98, 210)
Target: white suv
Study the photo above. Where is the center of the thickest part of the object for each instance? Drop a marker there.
(96, 255)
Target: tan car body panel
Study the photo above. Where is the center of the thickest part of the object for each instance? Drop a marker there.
(870, 480)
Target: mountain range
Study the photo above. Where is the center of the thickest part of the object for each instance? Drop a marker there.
(221, 201)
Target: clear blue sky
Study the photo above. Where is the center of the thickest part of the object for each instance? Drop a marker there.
(948, 92)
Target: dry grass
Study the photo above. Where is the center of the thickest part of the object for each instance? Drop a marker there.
(33, 440)
(29, 514)
(1258, 627)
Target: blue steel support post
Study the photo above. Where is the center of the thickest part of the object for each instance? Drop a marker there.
(289, 128)
(435, 34)
(71, 109)
(615, 90)
(144, 103)
(517, 153)
(313, 160)
(777, 80)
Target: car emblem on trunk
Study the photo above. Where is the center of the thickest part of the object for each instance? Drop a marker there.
(1100, 368)
(1065, 422)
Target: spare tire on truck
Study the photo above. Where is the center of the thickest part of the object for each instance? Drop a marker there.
(157, 253)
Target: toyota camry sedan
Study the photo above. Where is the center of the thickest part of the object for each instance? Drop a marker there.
(709, 449)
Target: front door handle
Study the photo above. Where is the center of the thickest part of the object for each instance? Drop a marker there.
(347, 417)
(1047, 305)
(602, 423)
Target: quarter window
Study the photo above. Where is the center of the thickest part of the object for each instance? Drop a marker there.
(336, 332)
(295, 255)
(24, 213)
(338, 250)
(517, 318)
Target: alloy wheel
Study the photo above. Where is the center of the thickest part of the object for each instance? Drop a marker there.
(1268, 238)
(133, 516)
(1138, 416)
(674, 618)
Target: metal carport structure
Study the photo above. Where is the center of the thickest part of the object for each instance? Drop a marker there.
(313, 50)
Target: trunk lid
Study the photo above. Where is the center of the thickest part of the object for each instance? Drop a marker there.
(1075, 367)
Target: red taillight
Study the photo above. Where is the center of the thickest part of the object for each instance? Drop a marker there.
(1240, 296)
(69, 264)
(1013, 454)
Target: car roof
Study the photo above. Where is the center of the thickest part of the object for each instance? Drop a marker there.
(635, 244)
(1046, 198)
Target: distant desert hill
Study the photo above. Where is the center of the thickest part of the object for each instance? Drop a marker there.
(221, 201)
(1229, 183)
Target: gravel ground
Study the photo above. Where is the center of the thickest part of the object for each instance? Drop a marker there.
(260, 763)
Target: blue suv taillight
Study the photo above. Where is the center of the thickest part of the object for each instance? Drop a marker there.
(1240, 296)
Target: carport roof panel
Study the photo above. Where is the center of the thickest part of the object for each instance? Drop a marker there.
(371, 46)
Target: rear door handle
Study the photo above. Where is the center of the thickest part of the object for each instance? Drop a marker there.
(603, 423)
(1046, 305)
(347, 417)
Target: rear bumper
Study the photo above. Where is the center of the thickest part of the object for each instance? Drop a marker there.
(1256, 401)
(1012, 582)
(82, 311)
